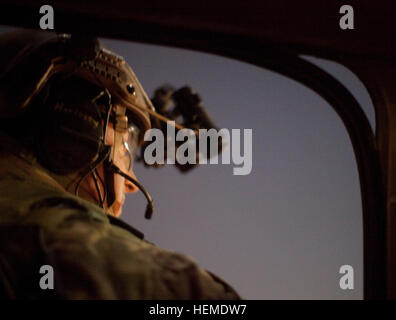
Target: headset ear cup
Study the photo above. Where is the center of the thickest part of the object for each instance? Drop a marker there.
(63, 152)
(70, 138)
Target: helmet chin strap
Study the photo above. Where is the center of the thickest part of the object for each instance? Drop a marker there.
(110, 169)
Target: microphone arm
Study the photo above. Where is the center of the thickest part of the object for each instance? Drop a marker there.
(150, 204)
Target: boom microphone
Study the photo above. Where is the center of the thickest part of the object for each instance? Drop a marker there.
(150, 204)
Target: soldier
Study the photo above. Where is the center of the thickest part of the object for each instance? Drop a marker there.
(72, 117)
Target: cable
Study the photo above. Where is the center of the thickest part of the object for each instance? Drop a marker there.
(101, 158)
(93, 173)
(103, 184)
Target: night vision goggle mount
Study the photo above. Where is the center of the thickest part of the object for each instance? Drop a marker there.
(186, 106)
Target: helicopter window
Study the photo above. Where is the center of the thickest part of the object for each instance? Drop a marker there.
(284, 230)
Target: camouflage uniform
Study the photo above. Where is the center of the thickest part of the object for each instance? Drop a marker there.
(93, 256)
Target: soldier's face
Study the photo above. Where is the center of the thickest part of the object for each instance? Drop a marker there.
(122, 186)
(121, 158)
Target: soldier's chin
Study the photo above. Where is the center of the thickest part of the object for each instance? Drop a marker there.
(116, 209)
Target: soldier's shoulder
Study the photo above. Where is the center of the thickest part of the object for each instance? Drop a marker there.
(95, 257)
(126, 267)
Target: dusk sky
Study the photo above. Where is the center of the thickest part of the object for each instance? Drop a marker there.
(284, 230)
